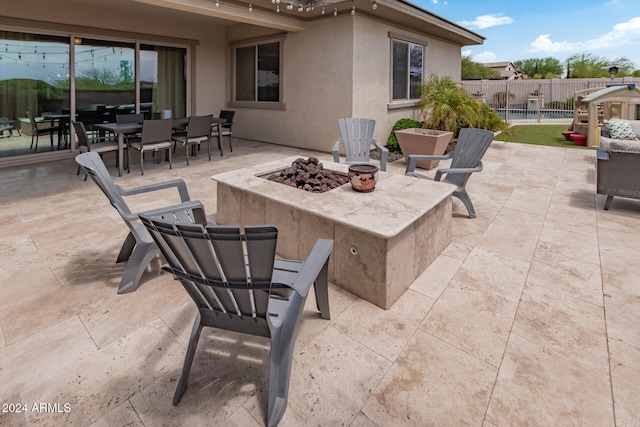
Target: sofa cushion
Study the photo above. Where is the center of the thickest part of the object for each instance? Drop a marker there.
(620, 129)
(635, 125)
(623, 144)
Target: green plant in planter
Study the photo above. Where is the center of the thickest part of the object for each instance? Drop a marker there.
(392, 141)
(445, 105)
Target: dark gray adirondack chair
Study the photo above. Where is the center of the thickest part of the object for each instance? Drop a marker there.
(239, 285)
(198, 131)
(138, 248)
(465, 159)
(357, 139)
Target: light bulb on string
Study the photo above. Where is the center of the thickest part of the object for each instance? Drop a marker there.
(374, 6)
(250, 7)
(335, 11)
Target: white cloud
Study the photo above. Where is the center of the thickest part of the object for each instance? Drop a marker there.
(486, 21)
(466, 53)
(485, 57)
(624, 33)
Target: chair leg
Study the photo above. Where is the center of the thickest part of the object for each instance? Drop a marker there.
(142, 255)
(169, 151)
(280, 358)
(188, 360)
(321, 289)
(141, 162)
(464, 198)
(230, 146)
(209, 148)
(607, 203)
(186, 153)
(127, 248)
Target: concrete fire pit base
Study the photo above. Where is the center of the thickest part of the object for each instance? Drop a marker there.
(383, 239)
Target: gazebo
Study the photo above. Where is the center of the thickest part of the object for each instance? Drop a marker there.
(612, 102)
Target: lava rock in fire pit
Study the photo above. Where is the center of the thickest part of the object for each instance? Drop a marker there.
(309, 175)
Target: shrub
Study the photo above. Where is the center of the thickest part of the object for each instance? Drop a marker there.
(392, 141)
(445, 105)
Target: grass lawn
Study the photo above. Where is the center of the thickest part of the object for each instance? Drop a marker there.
(549, 135)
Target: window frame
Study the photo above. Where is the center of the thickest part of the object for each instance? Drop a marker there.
(409, 41)
(277, 105)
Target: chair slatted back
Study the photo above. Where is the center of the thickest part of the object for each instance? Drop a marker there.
(154, 131)
(356, 136)
(470, 147)
(95, 168)
(224, 270)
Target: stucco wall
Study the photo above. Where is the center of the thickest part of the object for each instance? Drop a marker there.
(372, 72)
(317, 78)
(337, 67)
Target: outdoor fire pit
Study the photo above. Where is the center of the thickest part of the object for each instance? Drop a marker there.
(383, 240)
(309, 175)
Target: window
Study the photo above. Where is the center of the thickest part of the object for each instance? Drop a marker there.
(407, 70)
(257, 73)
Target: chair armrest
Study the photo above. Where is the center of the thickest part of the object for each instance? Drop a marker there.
(316, 260)
(178, 183)
(384, 154)
(413, 158)
(336, 151)
(442, 171)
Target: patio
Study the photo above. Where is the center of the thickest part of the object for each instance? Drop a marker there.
(530, 316)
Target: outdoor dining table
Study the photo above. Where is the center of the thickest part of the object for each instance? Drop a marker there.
(120, 129)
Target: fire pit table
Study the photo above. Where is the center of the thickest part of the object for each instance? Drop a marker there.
(383, 240)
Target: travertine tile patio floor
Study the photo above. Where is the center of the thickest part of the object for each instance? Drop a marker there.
(529, 317)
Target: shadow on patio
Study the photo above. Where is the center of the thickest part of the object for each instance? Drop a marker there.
(529, 317)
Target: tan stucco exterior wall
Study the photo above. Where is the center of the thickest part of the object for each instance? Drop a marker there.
(337, 67)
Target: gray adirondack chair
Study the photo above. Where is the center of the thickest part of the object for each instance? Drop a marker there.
(239, 285)
(138, 248)
(356, 138)
(465, 160)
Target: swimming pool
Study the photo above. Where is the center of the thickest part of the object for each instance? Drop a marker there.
(540, 115)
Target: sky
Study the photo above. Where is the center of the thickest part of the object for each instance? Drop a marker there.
(517, 30)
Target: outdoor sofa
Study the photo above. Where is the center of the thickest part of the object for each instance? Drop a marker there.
(618, 160)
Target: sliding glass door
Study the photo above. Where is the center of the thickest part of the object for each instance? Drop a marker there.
(35, 72)
(34, 79)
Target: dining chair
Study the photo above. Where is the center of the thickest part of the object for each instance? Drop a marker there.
(86, 145)
(226, 128)
(36, 131)
(198, 131)
(155, 136)
(130, 118)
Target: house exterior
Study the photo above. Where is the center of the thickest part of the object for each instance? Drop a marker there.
(507, 70)
(289, 75)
